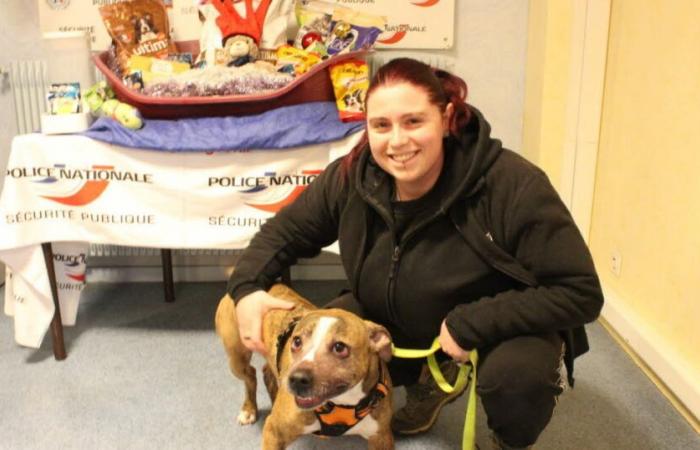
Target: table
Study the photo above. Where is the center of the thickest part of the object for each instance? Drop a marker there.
(63, 192)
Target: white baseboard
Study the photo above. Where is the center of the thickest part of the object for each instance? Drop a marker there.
(141, 274)
(659, 356)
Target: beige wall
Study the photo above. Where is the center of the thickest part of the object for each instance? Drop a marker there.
(646, 202)
(546, 85)
(647, 190)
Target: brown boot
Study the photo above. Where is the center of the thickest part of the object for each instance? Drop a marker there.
(424, 400)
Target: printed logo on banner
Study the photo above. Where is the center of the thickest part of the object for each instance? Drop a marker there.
(269, 192)
(75, 187)
(78, 193)
(398, 32)
(73, 265)
(395, 37)
(58, 4)
(426, 3)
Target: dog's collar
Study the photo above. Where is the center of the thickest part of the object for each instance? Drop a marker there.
(336, 420)
(282, 339)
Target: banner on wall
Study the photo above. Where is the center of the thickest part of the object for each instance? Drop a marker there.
(411, 24)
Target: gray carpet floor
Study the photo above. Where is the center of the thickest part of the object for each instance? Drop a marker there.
(143, 374)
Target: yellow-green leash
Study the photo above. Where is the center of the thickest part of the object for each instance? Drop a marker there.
(466, 374)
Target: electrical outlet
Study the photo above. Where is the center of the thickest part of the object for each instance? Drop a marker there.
(616, 262)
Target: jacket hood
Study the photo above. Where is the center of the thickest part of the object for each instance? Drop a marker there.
(467, 159)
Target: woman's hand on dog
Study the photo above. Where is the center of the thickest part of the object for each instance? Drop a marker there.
(249, 313)
(450, 346)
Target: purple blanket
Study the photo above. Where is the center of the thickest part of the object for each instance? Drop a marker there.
(285, 127)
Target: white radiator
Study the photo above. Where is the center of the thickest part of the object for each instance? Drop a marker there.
(104, 250)
(28, 81)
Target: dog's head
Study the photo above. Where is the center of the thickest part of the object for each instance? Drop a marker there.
(332, 352)
(353, 100)
(143, 26)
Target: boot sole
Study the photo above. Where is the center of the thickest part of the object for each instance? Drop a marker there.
(432, 420)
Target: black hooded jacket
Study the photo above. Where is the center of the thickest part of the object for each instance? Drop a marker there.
(497, 253)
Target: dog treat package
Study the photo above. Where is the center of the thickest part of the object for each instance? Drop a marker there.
(185, 58)
(295, 61)
(134, 80)
(138, 27)
(350, 83)
(151, 68)
(353, 30)
(314, 19)
(64, 98)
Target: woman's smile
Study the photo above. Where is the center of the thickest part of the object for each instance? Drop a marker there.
(403, 157)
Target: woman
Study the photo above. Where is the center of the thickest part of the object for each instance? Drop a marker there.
(442, 233)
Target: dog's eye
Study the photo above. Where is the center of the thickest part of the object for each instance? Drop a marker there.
(340, 349)
(296, 343)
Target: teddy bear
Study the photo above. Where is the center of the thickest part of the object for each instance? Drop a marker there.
(239, 49)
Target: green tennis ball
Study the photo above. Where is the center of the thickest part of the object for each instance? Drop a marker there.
(128, 116)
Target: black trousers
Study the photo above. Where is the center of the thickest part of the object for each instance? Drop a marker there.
(518, 380)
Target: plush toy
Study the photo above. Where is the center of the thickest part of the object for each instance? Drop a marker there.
(239, 50)
(101, 100)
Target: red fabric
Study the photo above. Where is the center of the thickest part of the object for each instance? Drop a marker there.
(231, 23)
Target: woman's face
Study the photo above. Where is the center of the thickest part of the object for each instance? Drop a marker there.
(405, 134)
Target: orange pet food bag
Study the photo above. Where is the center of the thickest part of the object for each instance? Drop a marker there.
(138, 27)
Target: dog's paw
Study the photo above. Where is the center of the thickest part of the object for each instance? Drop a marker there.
(247, 417)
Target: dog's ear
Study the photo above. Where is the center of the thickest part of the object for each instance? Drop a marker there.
(133, 19)
(379, 340)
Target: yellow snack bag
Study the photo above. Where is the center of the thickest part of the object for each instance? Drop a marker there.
(153, 69)
(350, 83)
(294, 60)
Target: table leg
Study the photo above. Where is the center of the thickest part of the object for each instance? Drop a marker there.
(167, 261)
(59, 347)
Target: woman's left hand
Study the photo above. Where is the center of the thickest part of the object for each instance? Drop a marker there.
(451, 347)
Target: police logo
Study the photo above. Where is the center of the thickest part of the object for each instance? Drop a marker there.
(58, 4)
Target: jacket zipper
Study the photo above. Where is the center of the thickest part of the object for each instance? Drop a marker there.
(393, 270)
(395, 257)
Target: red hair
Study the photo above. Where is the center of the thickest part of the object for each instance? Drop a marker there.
(441, 86)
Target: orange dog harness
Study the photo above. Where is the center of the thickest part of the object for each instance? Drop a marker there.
(335, 419)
